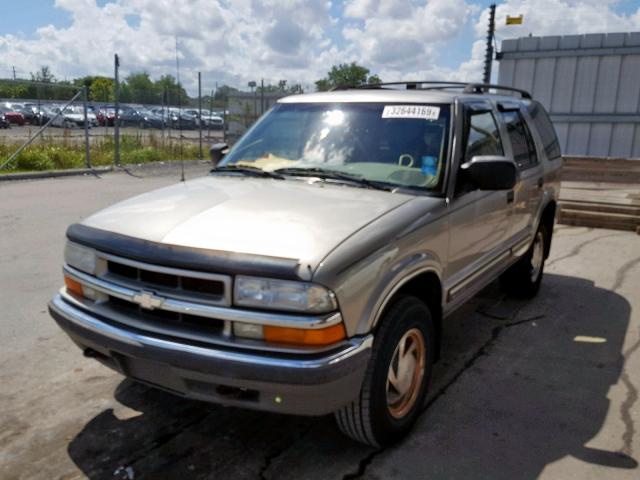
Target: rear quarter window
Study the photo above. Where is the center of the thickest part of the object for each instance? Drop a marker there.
(524, 150)
(545, 129)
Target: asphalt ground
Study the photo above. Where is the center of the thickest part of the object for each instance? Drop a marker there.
(546, 388)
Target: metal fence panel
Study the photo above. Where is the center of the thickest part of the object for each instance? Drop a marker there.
(588, 83)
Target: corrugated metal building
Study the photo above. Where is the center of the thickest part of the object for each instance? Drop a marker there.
(590, 84)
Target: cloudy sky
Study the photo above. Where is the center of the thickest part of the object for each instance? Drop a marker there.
(234, 41)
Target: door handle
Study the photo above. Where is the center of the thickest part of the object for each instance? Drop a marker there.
(510, 196)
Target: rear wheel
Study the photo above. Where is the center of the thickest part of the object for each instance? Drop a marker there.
(397, 376)
(524, 277)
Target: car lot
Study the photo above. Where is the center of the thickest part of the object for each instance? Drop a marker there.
(22, 133)
(546, 388)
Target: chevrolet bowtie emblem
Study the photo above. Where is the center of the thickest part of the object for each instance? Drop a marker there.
(148, 300)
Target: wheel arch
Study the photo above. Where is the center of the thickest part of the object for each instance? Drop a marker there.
(547, 219)
(427, 287)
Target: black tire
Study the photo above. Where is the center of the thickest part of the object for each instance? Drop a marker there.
(368, 419)
(523, 279)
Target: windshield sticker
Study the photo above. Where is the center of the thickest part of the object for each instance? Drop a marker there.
(411, 111)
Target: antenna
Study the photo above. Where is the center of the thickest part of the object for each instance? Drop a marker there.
(179, 112)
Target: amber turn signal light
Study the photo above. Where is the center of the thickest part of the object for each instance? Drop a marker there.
(302, 336)
(73, 286)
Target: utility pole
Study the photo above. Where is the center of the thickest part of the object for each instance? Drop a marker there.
(252, 86)
(211, 111)
(14, 73)
(488, 56)
(200, 111)
(261, 96)
(87, 155)
(116, 118)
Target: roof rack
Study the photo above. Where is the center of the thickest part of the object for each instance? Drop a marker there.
(411, 85)
(483, 87)
(437, 85)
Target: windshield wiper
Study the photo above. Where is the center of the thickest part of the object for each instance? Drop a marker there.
(247, 170)
(334, 175)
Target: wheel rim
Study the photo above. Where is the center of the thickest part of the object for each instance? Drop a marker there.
(406, 372)
(537, 256)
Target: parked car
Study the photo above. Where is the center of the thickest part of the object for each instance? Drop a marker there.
(4, 123)
(179, 119)
(312, 271)
(211, 120)
(207, 119)
(12, 116)
(129, 117)
(71, 117)
(34, 114)
(106, 116)
(150, 119)
(29, 115)
(46, 113)
(139, 118)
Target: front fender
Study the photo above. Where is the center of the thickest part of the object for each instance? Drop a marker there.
(399, 247)
(399, 275)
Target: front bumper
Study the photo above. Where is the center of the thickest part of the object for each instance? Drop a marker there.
(296, 384)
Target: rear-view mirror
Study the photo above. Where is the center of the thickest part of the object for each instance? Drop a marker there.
(217, 152)
(489, 172)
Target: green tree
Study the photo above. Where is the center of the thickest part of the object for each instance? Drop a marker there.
(323, 85)
(172, 91)
(223, 92)
(101, 89)
(61, 90)
(13, 90)
(347, 75)
(142, 89)
(84, 81)
(43, 75)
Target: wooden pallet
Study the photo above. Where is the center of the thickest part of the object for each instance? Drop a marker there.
(595, 169)
(600, 204)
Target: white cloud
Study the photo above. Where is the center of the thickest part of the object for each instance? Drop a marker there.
(236, 41)
(401, 34)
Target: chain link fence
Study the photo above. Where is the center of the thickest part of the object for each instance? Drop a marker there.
(58, 125)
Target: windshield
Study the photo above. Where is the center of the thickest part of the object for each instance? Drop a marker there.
(403, 145)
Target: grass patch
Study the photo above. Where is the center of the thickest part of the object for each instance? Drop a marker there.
(50, 153)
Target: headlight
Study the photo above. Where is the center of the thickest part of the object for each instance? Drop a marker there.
(283, 295)
(82, 258)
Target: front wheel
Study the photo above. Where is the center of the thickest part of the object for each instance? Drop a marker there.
(396, 379)
(523, 278)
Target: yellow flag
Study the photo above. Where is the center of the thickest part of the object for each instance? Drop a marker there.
(515, 20)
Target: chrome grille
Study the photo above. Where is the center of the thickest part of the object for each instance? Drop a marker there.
(202, 287)
(209, 326)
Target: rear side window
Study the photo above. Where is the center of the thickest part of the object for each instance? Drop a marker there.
(545, 129)
(483, 137)
(524, 150)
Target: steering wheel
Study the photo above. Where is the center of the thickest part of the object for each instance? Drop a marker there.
(405, 160)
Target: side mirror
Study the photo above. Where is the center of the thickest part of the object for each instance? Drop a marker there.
(490, 172)
(217, 152)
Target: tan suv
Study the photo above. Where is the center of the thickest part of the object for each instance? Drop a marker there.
(312, 270)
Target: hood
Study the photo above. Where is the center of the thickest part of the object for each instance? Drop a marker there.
(276, 218)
